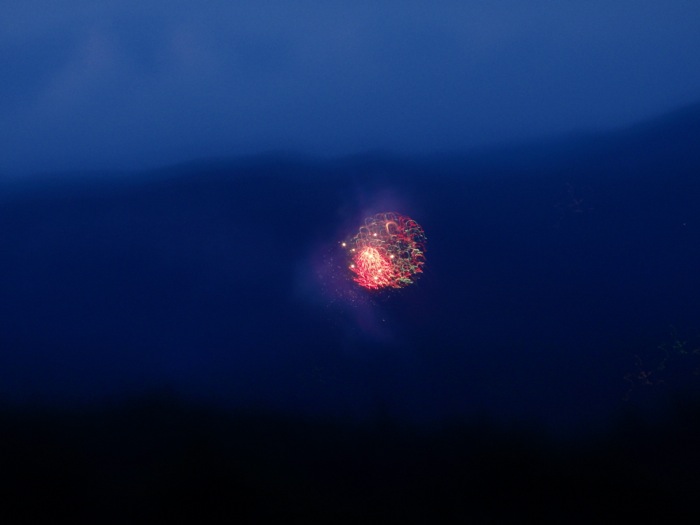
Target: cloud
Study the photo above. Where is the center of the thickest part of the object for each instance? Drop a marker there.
(122, 84)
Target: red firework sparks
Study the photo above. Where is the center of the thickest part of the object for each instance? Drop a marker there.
(387, 252)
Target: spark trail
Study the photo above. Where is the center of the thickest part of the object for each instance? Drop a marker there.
(387, 252)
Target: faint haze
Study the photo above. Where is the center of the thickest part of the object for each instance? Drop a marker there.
(126, 84)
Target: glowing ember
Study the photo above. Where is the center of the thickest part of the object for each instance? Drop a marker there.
(387, 252)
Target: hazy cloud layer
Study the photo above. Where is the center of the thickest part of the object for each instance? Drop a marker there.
(119, 84)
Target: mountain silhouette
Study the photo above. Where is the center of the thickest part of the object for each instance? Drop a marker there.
(549, 269)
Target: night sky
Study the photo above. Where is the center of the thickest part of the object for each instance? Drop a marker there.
(176, 180)
(131, 84)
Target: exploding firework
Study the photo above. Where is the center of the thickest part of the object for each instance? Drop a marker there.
(387, 252)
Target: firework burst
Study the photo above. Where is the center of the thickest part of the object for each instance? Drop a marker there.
(387, 252)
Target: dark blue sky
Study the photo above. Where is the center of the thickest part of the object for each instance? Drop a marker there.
(559, 275)
(179, 328)
(126, 84)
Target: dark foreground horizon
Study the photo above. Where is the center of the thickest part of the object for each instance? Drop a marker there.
(545, 366)
(157, 458)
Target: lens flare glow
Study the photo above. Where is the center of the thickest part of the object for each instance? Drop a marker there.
(387, 252)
